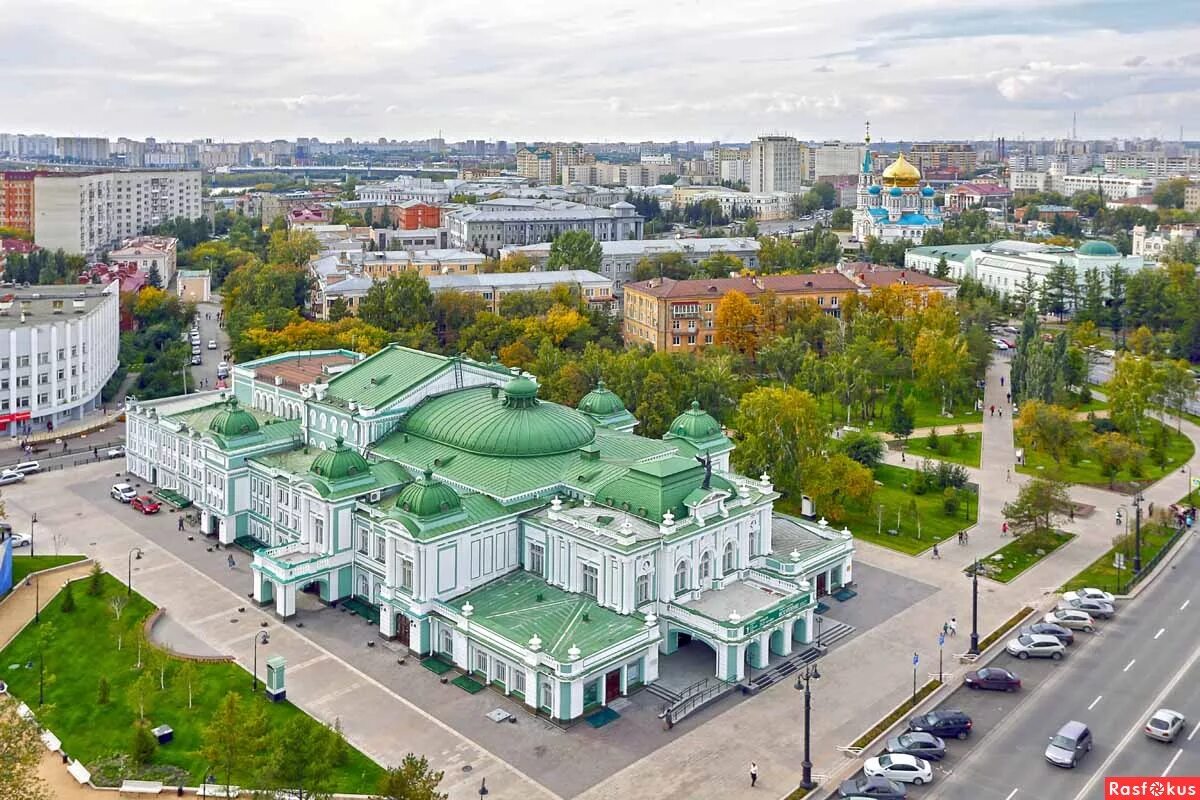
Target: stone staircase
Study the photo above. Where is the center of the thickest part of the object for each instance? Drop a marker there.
(831, 634)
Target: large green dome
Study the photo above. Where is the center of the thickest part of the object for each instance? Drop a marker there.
(1095, 247)
(508, 422)
(339, 463)
(428, 497)
(600, 402)
(233, 421)
(696, 424)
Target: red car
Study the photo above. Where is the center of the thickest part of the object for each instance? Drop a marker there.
(145, 504)
(992, 678)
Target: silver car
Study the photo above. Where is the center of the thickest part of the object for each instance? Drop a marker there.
(1071, 618)
(1165, 725)
(1097, 608)
(1036, 645)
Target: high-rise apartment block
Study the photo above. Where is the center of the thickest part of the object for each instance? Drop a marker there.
(86, 149)
(777, 164)
(935, 156)
(830, 159)
(545, 164)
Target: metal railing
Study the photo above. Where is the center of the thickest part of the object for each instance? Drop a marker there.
(694, 697)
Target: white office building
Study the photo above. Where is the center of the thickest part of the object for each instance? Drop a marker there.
(494, 224)
(777, 164)
(58, 347)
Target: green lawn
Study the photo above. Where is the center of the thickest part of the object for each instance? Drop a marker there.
(83, 648)
(1022, 553)
(1102, 573)
(1087, 469)
(935, 524)
(25, 565)
(949, 449)
(928, 412)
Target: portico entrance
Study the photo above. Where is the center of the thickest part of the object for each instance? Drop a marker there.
(402, 629)
(612, 686)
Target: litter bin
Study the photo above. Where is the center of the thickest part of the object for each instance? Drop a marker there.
(163, 733)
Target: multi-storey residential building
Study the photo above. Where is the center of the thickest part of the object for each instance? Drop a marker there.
(680, 316)
(58, 347)
(830, 159)
(1112, 186)
(148, 252)
(621, 257)
(536, 164)
(488, 226)
(1191, 198)
(88, 213)
(1026, 181)
(545, 549)
(413, 214)
(16, 200)
(777, 164)
(931, 156)
(89, 150)
(1152, 165)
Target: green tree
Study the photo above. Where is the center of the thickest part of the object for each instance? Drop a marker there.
(95, 580)
(1134, 382)
(942, 270)
(656, 406)
(901, 417)
(68, 599)
(301, 758)
(1049, 428)
(21, 751)
(227, 743)
(143, 744)
(1116, 452)
(575, 250)
(940, 363)
(412, 780)
(339, 309)
(401, 302)
(836, 481)
(294, 248)
(1177, 386)
(1058, 290)
(141, 693)
(1091, 302)
(841, 219)
(865, 448)
(1038, 503)
(154, 277)
(770, 415)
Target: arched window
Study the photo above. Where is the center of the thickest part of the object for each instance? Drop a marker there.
(681, 577)
(727, 560)
(705, 566)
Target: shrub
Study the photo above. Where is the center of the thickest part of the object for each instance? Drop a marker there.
(96, 580)
(865, 448)
(920, 482)
(1085, 394)
(1104, 425)
(945, 446)
(68, 603)
(143, 745)
(960, 437)
(102, 691)
(932, 440)
(950, 500)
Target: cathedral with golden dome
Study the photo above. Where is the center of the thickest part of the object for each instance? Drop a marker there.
(895, 206)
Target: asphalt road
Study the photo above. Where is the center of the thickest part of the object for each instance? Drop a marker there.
(205, 375)
(1147, 657)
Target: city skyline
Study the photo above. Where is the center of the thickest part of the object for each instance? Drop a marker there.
(674, 71)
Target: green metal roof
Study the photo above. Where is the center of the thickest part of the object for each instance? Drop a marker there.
(384, 376)
(697, 428)
(427, 497)
(339, 463)
(512, 423)
(520, 606)
(233, 421)
(601, 402)
(1095, 247)
(475, 509)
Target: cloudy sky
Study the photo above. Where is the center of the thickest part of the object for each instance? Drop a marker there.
(613, 70)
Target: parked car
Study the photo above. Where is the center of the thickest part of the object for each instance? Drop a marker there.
(1064, 635)
(1036, 646)
(1093, 594)
(1164, 725)
(116, 452)
(212, 344)
(122, 492)
(21, 539)
(10, 476)
(1096, 608)
(27, 467)
(992, 678)
(1071, 618)
(924, 745)
(879, 788)
(901, 768)
(197, 360)
(145, 504)
(1070, 744)
(943, 723)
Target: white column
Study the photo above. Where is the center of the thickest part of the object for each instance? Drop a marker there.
(460, 654)
(285, 600)
(387, 620)
(531, 687)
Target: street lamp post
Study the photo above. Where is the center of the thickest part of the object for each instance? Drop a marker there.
(1137, 533)
(803, 681)
(37, 601)
(818, 619)
(264, 638)
(129, 569)
(32, 522)
(974, 609)
(483, 790)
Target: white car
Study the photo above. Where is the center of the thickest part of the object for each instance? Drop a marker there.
(197, 360)
(1036, 645)
(1091, 594)
(21, 539)
(212, 344)
(1165, 725)
(10, 476)
(1071, 618)
(27, 467)
(899, 767)
(122, 492)
(116, 452)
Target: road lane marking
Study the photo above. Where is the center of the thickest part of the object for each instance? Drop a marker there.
(1097, 700)
(1130, 664)
(1139, 725)
(1178, 753)
(1160, 632)
(1193, 733)
(1010, 794)
(1185, 605)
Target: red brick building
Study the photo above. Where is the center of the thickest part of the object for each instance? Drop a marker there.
(16, 200)
(413, 214)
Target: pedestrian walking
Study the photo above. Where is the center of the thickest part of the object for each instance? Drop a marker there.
(1007, 475)
(1071, 511)
(936, 554)
(753, 774)
(1001, 380)
(95, 453)
(64, 447)
(1008, 397)
(991, 411)
(1004, 529)
(180, 523)
(1000, 412)
(232, 563)
(954, 626)
(945, 629)
(966, 538)
(960, 538)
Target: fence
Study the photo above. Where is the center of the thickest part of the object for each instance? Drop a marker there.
(1162, 553)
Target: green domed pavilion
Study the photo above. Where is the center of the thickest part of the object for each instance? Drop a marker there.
(607, 409)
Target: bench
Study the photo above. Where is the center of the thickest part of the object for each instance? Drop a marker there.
(217, 790)
(79, 772)
(141, 787)
(52, 742)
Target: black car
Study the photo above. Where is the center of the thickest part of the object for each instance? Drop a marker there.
(992, 678)
(947, 723)
(921, 745)
(880, 788)
(1064, 635)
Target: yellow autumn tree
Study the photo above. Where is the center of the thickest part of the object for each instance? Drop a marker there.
(737, 323)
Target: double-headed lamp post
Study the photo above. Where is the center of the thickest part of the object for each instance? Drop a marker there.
(134, 552)
(1137, 533)
(803, 679)
(32, 522)
(260, 638)
(974, 650)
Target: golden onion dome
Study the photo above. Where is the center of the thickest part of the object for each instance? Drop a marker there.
(901, 173)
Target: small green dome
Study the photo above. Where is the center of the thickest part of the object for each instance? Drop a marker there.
(339, 463)
(520, 392)
(695, 423)
(428, 497)
(600, 402)
(233, 421)
(1095, 247)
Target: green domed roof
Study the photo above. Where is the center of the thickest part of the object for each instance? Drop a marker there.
(233, 421)
(428, 497)
(1095, 247)
(339, 463)
(600, 402)
(696, 424)
(511, 422)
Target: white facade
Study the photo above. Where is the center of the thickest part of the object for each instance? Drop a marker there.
(1152, 165)
(58, 347)
(776, 165)
(489, 226)
(1151, 246)
(836, 158)
(147, 252)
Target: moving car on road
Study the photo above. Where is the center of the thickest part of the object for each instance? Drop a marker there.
(1049, 629)
(27, 467)
(1164, 725)
(1097, 608)
(10, 476)
(900, 768)
(122, 492)
(879, 788)
(1071, 618)
(1036, 646)
(992, 678)
(145, 504)
(212, 344)
(943, 723)
(922, 745)
(1070, 744)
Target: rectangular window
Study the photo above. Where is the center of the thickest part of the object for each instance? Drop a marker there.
(362, 543)
(43, 359)
(406, 574)
(380, 549)
(590, 582)
(43, 378)
(481, 662)
(518, 680)
(43, 398)
(642, 589)
(4, 363)
(318, 530)
(22, 361)
(447, 641)
(61, 353)
(536, 557)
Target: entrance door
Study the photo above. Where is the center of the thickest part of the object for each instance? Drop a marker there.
(822, 585)
(612, 686)
(402, 631)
